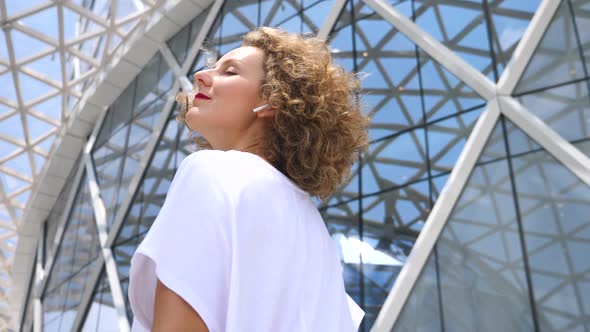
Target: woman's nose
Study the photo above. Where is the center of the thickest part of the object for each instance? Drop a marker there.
(203, 78)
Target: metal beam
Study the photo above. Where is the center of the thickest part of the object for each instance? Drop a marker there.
(545, 136)
(437, 219)
(59, 233)
(158, 130)
(196, 47)
(170, 60)
(435, 49)
(527, 46)
(143, 163)
(331, 20)
(110, 267)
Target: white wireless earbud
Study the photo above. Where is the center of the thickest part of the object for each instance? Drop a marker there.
(260, 108)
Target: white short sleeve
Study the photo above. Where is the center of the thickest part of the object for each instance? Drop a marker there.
(245, 247)
(187, 248)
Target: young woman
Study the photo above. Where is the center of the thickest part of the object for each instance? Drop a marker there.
(238, 244)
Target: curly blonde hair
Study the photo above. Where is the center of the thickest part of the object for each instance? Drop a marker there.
(318, 130)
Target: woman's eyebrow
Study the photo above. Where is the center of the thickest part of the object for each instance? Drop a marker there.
(231, 61)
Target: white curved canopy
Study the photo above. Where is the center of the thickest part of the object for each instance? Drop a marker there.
(49, 53)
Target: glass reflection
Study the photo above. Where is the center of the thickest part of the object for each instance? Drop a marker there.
(480, 279)
(102, 315)
(557, 59)
(61, 305)
(566, 109)
(126, 132)
(554, 207)
(79, 246)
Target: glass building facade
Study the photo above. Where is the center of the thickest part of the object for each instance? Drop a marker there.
(470, 210)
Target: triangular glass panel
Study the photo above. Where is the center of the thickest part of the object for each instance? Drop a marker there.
(557, 59)
(20, 165)
(39, 21)
(425, 298)
(313, 15)
(542, 178)
(72, 17)
(26, 46)
(509, 21)
(284, 12)
(122, 253)
(12, 127)
(4, 215)
(62, 303)
(92, 46)
(17, 7)
(38, 128)
(77, 66)
(396, 160)
(22, 198)
(581, 8)
(114, 43)
(234, 23)
(129, 26)
(12, 184)
(80, 246)
(478, 273)
(476, 219)
(7, 148)
(48, 66)
(50, 108)
(166, 80)
(469, 37)
(179, 43)
(125, 9)
(146, 81)
(45, 145)
(72, 100)
(39, 162)
(566, 109)
(152, 191)
(444, 94)
(7, 92)
(4, 50)
(102, 314)
(32, 88)
(447, 138)
(398, 70)
(5, 111)
(495, 148)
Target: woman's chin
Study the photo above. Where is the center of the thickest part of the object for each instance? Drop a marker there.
(193, 109)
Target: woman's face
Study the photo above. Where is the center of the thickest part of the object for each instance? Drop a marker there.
(226, 94)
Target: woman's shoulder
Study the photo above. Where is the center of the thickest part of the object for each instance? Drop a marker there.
(226, 167)
(235, 169)
(217, 161)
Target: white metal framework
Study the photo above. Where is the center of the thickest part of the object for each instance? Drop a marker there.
(499, 101)
(49, 53)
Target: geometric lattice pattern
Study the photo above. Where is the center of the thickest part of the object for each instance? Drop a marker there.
(101, 315)
(510, 254)
(515, 242)
(49, 53)
(77, 254)
(520, 229)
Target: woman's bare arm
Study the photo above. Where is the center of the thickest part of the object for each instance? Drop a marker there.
(173, 313)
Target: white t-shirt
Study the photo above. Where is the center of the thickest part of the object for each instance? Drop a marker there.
(245, 247)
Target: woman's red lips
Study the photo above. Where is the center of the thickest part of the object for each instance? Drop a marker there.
(201, 96)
